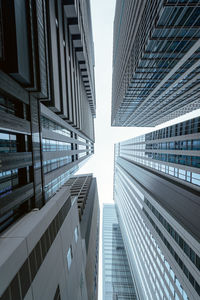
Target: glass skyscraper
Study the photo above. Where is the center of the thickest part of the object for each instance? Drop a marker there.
(172, 151)
(117, 279)
(156, 61)
(156, 64)
(156, 190)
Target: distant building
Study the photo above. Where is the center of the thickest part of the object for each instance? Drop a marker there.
(117, 278)
(156, 191)
(156, 59)
(47, 110)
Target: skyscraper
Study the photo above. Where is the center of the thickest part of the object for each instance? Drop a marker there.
(47, 110)
(52, 253)
(155, 61)
(156, 190)
(117, 278)
(85, 188)
(47, 99)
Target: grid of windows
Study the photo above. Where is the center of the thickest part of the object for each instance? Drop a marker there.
(159, 79)
(52, 164)
(54, 127)
(13, 107)
(82, 154)
(171, 150)
(8, 181)
(177, 258)
(10, 142)
(52, 145)
(179, 240)
(116, 273)
(184, 128)
(54, 185)
(81, 139)
(152, 266)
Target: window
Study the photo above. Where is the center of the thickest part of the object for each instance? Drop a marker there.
(50, 165)
(8, 142)
(53, 145)
(50, 125)
(76, 234)
(69, 257)
(57, 294)
(8, 181)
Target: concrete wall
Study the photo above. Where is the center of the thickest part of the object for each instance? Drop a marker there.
(17, 244)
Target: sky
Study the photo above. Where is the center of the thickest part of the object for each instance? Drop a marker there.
(101, 163)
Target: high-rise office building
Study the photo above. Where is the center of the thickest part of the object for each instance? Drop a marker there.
(156, 61)
(52, 253)
(156, 190)
(117, 278)
(47, 109)
(84, 187)
(47, 99)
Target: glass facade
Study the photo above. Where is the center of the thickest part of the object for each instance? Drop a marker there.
(179, 240)
(50, 165)
(78, 150)
(117, 279)
(52, 145)
(180, 262)
(8, 181)
(54, 127)
(163, 251)
(158, 79)
(8, 143)
(51, 188)
(172, 150)
(13, 107)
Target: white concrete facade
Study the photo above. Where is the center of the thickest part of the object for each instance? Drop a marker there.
(17, 243)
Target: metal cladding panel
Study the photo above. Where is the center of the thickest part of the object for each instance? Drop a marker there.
(54, 58)
(62, 59)
(42, 73)
(79, 22)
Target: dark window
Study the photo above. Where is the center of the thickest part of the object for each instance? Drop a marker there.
(14, 287)
(198, 262)
(24, 278)
(57, 294)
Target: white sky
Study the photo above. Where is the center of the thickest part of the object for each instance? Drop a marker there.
(101, 163)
